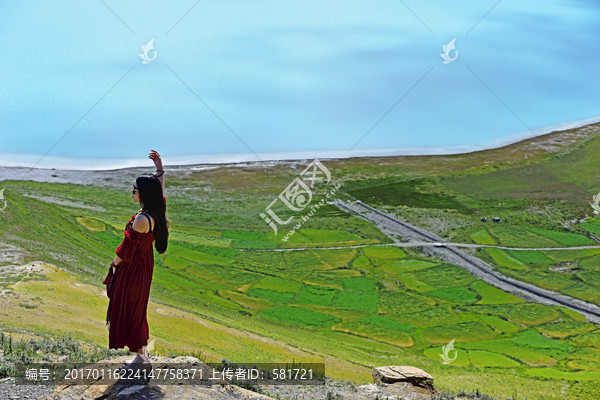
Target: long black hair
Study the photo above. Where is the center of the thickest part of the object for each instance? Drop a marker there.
(151, 195)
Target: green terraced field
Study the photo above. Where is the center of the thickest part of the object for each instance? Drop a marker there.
(444, 276)
(222, 291)
(407, 265)
(565, 238)
(299, 316)
(518, 236)
(271, 295)
(402, 302)
(362, 284)
(482, 359)
(522, 313)
(591, 225)
(457, 294)
(376, 332)
(387, 253)
(562, 329)
(482, 237)
(461, 332)
(501, 258)
(531, 257)
(492, 295)
(355, 300)
(515, 351)
(278, 284)
(377, 320)
(317, 295)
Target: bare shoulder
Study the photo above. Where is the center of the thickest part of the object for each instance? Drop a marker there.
(140, 224)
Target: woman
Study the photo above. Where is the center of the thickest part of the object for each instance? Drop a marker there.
(130, 274)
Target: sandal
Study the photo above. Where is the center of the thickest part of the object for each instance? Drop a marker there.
(139, 362)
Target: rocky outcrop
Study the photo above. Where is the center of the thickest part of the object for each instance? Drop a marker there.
(403, 374)
(139, 389)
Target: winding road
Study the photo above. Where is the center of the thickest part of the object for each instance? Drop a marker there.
(449, 252)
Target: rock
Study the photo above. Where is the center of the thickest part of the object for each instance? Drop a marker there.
(395, 373)
(136, 389)
(370, 388)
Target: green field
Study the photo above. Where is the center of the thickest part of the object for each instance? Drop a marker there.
(224, 290)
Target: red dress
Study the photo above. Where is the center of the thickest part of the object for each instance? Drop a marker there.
(130, 287)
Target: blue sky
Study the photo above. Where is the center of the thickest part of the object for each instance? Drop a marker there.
(261, 78)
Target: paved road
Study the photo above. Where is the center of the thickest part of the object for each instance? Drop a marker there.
(430, 244)
(396, 229)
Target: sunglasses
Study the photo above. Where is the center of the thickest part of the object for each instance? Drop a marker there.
(135, 189)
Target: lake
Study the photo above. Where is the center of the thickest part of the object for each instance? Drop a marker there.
(259, 80)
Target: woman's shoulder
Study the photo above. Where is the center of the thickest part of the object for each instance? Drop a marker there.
(140, 223)
(143, 215)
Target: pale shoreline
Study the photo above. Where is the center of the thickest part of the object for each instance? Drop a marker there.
(20, 162)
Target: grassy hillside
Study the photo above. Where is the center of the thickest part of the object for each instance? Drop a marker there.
(223, 290)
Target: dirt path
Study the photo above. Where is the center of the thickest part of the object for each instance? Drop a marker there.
(396, 229)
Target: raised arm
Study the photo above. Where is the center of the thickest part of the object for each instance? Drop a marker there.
(159, 167)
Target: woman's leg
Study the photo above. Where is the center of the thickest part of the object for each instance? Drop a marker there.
(141, 356)
(143, 352)
(138, 359)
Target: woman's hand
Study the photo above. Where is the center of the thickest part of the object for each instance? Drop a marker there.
(158, 163)
(156, 158)
(116, 262)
